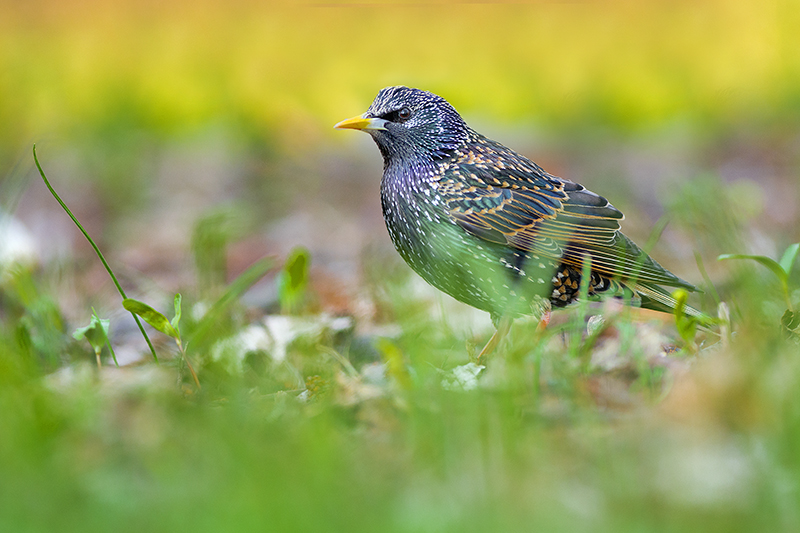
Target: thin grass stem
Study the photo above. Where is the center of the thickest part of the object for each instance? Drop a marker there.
(96, 250)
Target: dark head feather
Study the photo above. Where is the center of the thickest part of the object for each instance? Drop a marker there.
(420, 127)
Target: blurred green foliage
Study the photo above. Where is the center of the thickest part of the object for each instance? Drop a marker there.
(310, 443)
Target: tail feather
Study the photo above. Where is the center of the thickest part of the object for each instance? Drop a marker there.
(661, 297)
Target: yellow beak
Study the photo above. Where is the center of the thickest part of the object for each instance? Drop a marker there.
(362, 122)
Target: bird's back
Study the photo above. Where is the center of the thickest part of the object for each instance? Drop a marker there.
(494, 230)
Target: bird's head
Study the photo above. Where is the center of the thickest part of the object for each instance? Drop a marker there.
(411, 125)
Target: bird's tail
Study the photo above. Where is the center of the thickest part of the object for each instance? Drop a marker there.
(654, 297)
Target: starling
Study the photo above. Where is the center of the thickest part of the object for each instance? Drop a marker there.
(489, 226)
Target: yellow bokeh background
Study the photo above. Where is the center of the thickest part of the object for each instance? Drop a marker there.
(290, 70)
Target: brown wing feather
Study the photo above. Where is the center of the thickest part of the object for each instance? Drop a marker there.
(534, 211)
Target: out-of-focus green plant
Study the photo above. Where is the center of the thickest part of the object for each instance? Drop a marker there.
(36, 318)
(212, 234)
(396, 365)
(684, 323)
(217, 321)
(164, 325)
(96, 333)
(719, 225)
(790, 320)
(293, 280)
(94, 247)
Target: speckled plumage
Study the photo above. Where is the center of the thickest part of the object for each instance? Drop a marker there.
(489, 226)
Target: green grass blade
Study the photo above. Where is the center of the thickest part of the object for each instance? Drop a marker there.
(709, 284)
(293, 279)
(234, 291)
(789, 256)
(151, 316)
(771, 264)
(176, 320)
(106, 324)
(94, 246)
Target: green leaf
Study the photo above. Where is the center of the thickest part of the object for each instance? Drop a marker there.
(97, 335)
(790, 324)
(293, 279)
(96, 332)
(685, 324)
(395, 363)
(175, 322)
(771, 264)
(680, 296)
(790, 320)
(687, 328)
(787, 261)
(151, 316)
(211, 320)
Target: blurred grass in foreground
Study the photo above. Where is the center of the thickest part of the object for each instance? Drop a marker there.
(344, 430)
(543, 443)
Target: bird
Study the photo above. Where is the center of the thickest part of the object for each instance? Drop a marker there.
(490, 227)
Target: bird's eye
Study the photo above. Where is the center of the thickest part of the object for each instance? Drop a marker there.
(398, 115)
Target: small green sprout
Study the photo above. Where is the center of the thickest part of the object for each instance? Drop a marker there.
(395, 363)
(162, 324)
(96, 333)
(293, 280)
(685, 324)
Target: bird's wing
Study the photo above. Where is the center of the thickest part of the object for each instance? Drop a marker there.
(516, 203)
